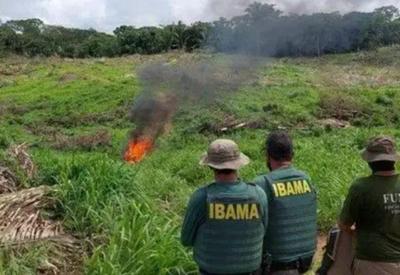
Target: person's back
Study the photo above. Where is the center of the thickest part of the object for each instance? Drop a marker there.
(372, 211)
(292, 230)
(378, 218)
(226, 221)
(291, 235)
(233, 228)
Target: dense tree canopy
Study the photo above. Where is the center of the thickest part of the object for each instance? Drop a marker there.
(261, 30)
(266, 31)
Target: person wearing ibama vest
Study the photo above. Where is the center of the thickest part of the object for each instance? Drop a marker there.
(290, 241)
(371, 211)
(226, 221)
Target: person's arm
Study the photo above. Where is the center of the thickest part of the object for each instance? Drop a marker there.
(349, 214)
(195, 216)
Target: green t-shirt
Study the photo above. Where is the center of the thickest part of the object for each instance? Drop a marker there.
(373, 205)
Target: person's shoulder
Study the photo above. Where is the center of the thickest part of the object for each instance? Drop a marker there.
(200, 194)
(260, 179)
(258, 190)
(361, 181)
(254, 185)
(301, 173)
(360, 184)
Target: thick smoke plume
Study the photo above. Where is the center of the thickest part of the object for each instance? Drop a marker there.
(167, 86)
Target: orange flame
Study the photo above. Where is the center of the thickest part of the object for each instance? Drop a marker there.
(137, 149)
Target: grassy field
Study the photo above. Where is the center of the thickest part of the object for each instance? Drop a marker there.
(74, 115)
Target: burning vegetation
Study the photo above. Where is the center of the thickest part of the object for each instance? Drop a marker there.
(169, 86)
(137, 149)
(152, 117)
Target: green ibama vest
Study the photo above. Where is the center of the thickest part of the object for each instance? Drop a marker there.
(231, 238)
(292, 228)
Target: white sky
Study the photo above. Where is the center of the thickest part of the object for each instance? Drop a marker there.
(106, 15)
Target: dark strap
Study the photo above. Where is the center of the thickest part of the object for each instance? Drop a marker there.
(302, 265)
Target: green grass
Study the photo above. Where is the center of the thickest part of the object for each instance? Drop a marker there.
(130, 215)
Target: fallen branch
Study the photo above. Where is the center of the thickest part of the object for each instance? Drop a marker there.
(20, 216)
(22, 226)
(8, 181)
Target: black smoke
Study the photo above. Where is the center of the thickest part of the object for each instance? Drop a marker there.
(169, 86)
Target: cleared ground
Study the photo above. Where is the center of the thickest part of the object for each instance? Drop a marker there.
(74, 114)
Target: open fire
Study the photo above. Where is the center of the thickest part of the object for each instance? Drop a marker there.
(152, 117)
(137, 149)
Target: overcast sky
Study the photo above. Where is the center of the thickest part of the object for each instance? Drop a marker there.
(105, 15)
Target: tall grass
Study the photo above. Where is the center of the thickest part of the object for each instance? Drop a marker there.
(104, 201)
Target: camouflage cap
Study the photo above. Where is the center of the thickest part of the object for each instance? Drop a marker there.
(224, 154)
(381, 148)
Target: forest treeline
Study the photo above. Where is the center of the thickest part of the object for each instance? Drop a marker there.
(261, 30)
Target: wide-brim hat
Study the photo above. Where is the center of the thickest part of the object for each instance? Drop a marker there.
(381, 148)
(224, 154)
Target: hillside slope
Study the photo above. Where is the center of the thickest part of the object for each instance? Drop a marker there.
(74, 114)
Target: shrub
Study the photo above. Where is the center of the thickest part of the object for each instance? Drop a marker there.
(340, 106)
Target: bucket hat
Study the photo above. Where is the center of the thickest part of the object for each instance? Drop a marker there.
(382, 148)
(224, 154)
